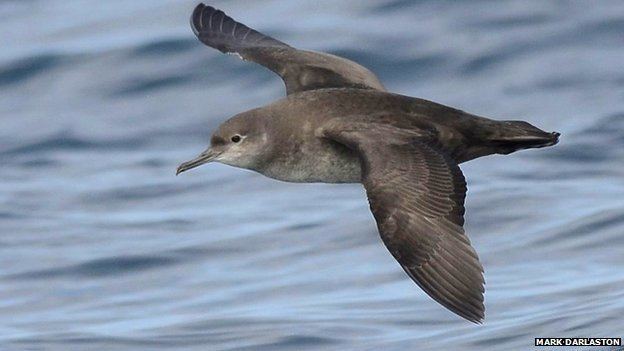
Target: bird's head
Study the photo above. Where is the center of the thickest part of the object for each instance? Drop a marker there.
(239, 142)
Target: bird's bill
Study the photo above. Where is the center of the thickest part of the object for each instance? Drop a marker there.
(205, 157)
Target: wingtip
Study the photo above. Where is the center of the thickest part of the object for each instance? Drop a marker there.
(478, 321)
(199, 7)
(200, 15)
(480, 316)
(475, 316)
(195, 17)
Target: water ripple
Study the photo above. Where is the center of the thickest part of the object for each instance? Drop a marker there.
(67, 141)
(26, 68)
(103, 248)
(101, 267)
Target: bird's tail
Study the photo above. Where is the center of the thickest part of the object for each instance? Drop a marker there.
(511, 136)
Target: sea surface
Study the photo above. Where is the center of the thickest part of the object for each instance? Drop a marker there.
(102, 247)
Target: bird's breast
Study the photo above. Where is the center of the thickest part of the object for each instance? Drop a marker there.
(314, 160)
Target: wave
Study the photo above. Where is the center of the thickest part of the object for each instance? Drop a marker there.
(22, 69)
(101, 267)
(67, 141)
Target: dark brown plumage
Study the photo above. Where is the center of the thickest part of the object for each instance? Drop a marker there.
(416, 194)
(300, 70)
(338, 124)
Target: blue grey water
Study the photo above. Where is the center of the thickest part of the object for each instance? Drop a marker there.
(103, 248)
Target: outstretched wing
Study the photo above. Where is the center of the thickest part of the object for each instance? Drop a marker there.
(416, 194)
(300, 70)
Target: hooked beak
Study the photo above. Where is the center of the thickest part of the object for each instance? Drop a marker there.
(205, 157)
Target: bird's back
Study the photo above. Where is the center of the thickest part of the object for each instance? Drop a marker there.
(463, 135)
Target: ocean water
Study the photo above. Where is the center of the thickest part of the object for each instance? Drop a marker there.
(103, 248)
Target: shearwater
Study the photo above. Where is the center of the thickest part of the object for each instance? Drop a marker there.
(338, 124)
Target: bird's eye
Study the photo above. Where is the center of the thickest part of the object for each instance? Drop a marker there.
(236, 138)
